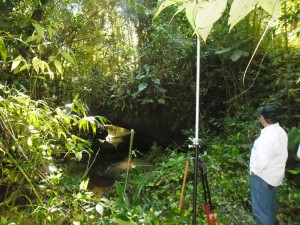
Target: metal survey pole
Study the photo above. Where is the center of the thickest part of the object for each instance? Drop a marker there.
(196, 139)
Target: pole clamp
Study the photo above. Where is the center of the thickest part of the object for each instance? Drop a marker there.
(195, 142)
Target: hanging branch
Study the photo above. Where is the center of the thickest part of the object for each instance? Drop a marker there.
(260, 40)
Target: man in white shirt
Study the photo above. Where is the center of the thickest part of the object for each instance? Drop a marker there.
(267, 166)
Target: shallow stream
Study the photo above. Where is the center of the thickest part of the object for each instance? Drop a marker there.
(104, 173)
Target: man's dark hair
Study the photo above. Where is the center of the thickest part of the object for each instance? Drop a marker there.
(269, 113)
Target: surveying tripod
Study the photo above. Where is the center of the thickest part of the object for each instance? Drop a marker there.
(199, 167)
(198, 163)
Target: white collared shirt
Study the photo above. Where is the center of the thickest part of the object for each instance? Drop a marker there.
(269, 154)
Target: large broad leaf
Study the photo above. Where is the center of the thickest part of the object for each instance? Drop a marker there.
(204, 14)
(203, 33)
(239, 9)
(190, 12)
(271, 6)
(2, 49)
(209, 12)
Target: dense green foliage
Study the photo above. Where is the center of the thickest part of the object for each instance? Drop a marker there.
(63, 61)
(32, 136)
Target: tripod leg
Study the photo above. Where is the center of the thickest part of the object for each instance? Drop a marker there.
(211, 220)
(187, 164)
(195, 185)
(204, 186)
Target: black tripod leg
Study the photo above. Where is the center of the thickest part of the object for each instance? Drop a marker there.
(207, 198)
(208, 193)
(202, 170)
(200, 165)
(195, 185)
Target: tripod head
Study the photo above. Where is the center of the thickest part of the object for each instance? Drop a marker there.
(195, 142)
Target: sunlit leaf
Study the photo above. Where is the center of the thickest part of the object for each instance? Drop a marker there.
(204, 32)
(50, 31)
(190, 12)
(294, 171)
(94, 126)
(61, 133)
(271, 6)
(239, 9)
(43, 65)
(164, 5)
(68, 108)
(81, 124)
(100, 209)
(2, 49)
(36, 64)
(39, 29)
(3, 220)
(76, 97)
(33, 120)
(78, 155)
(16, 62)
(29, 142)
(58, 66)
(51, 74)
(31, 38)
(78, 195)
(84, 184)
(209, 12)
(68, 57)
(25, 66)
